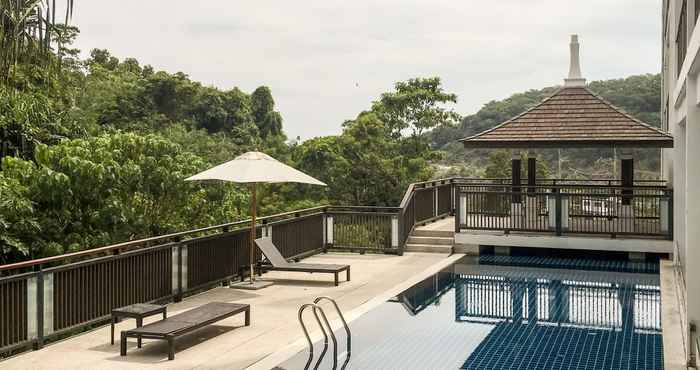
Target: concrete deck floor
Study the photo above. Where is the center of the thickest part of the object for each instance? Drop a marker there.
(228, 344)
(445, 224)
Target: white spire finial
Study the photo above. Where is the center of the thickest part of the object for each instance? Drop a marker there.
(574, 78)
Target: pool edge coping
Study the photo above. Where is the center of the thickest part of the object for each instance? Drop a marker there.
(671, 318)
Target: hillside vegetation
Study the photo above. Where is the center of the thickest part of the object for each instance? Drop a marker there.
(94, 151)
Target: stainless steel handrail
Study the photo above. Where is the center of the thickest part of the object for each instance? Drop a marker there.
(345, 324)
(306, 332)
(316, 310)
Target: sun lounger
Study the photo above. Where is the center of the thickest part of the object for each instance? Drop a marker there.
(279, 263)
(173, 327)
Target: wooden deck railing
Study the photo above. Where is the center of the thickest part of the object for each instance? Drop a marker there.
(52, 297)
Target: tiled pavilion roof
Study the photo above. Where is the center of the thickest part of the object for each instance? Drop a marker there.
(572, 117)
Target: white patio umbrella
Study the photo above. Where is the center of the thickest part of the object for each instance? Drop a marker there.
(254, 168)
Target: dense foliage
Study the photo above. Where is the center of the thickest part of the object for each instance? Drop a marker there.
(373, 160)
(96, 151)
(29, 32)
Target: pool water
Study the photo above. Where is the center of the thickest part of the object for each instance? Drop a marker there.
(510, 313)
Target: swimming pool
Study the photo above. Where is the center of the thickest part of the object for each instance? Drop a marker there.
(496, 312)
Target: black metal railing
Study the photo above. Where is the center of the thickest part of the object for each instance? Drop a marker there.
(427, 201)
(645, 210)
(363, 229)
(51, 297)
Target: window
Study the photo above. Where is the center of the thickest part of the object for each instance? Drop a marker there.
(681, 39)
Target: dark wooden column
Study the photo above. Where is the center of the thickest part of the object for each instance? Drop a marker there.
(531, 174)
(516, 178)
(627, 177)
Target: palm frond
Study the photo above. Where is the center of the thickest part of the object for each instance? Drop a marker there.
(28, 33)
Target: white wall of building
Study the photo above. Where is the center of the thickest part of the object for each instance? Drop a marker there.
(681, 112)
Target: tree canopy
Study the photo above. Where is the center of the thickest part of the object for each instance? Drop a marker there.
(95, 151)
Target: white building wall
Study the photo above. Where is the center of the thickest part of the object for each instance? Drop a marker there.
(681, 112)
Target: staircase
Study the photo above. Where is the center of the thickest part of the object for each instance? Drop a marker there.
(430, 241)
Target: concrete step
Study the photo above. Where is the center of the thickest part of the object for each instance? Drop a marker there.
(469, 249)
(429, 248)
(430, 240)
(433, 233)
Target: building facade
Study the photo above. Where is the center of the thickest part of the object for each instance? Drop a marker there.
(681, 117)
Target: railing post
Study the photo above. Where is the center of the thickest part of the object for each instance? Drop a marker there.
(453, 197)
(324, 237)
(33, 311)
(395, 243)
(40, 309)
(552, 209)
(329, 231)
(266, 230)
(47, 303)
(461, 212)
(178, 271)
(183, 270)
(457, 216)
(670, 215)
(558, 211)
(435, 200)
(413, 205)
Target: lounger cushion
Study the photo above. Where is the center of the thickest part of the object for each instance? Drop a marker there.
(271, 252)
(311, 266)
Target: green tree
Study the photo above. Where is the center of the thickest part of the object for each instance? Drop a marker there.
(364, 165)
(18, 225)
(29, 33)
(269, 121)
(415, 105)
(28, 119)
(115, 187)
(262, 103)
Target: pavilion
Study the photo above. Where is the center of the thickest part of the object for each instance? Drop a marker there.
(572, 117)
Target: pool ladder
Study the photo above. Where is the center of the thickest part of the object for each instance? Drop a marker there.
(320, 316)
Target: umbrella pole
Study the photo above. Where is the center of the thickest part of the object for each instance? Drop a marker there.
(253, 209)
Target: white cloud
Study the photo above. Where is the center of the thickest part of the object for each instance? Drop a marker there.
(313, 53)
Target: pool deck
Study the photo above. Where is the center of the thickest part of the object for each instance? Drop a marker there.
(444, 224)
(673, 315)
(228, 344)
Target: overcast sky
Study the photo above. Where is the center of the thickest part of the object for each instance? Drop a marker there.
(327, 60)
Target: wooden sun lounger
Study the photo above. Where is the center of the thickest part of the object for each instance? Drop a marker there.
(186, 322)
(279, 263)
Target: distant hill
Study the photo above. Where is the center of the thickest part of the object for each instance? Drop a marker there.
(639, 96)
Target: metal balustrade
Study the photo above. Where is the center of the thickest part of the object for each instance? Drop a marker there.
(48, 298)
(641, 211)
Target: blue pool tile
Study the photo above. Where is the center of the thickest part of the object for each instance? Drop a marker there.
(515, 312)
